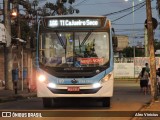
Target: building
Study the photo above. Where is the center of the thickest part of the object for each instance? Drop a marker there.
(123, 42)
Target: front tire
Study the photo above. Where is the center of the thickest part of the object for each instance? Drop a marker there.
(106, 102)
(47, 102)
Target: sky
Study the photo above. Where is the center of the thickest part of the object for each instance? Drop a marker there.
(125, 25)
(125, 22)
(130, 25)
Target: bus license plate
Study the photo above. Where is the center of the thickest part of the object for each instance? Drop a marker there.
(73, 89)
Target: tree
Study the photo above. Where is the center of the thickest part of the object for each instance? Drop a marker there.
(128, 52)
(24, 27)
(59, 8)
(158, 7)
(156, 44)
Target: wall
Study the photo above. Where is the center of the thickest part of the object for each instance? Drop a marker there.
(131, 67)
(122, 42)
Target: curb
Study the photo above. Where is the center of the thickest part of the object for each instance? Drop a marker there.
(141, 109)
(147, 105)
(17, 97)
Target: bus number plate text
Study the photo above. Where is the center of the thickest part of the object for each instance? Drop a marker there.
(73, 89)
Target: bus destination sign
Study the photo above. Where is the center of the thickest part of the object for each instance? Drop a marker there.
(54, 23)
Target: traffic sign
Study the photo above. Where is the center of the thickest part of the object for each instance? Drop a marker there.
(154, 23)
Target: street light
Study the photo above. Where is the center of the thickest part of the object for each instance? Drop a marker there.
(133, 26)
(20, 40)
(14, 14)
(133, 4)
(133, 31)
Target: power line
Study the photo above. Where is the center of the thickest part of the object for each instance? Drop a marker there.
(140, 30)
(131, 29)
(80, 3)
(99, 3)
(126, 24)
(128, 30)
(144, 3)
(124, 10)
(128, 13)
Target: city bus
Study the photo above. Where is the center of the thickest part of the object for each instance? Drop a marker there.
(74, 58)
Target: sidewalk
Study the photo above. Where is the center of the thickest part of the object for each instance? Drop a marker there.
(9, 95)
(151, 110)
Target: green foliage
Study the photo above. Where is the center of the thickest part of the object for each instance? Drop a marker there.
(139, 52)
(158, 7)
(71, 1)
(25, 4)
(129, 52)
(25, 30)
(156, 45)
(60, 8)
(48, 9)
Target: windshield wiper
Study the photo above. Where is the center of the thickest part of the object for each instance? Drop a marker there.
(86, 37)
(60, 40)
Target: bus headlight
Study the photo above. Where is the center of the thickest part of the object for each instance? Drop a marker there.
(51, 85)
(96, 85)
(42, 78)
(107, 77)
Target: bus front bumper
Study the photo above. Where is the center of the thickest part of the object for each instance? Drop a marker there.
(105, 90)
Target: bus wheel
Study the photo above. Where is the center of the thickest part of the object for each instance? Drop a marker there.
(106, 102)
(47, 102)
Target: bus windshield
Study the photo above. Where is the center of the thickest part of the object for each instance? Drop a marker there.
(74, 49)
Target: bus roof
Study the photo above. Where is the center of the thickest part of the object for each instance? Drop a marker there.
(75, 16)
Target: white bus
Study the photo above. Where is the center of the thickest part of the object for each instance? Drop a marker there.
(74, 58)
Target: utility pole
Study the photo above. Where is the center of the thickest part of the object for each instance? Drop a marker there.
(146, 42)
(20, 46)
(9, 65)
(151, 51)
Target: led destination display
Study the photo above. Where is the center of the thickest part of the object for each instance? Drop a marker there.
(55, 23)
(74, 22)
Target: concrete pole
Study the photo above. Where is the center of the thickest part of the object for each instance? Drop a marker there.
(134, 44)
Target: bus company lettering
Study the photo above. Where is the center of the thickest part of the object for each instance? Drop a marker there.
(78, 23)
(56, 23)
(91, 60)
(84, 81)
(60, 81)
(53, 23)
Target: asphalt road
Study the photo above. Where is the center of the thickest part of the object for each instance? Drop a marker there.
(127, 97)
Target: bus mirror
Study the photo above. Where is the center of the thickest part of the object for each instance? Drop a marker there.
(115, 41)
